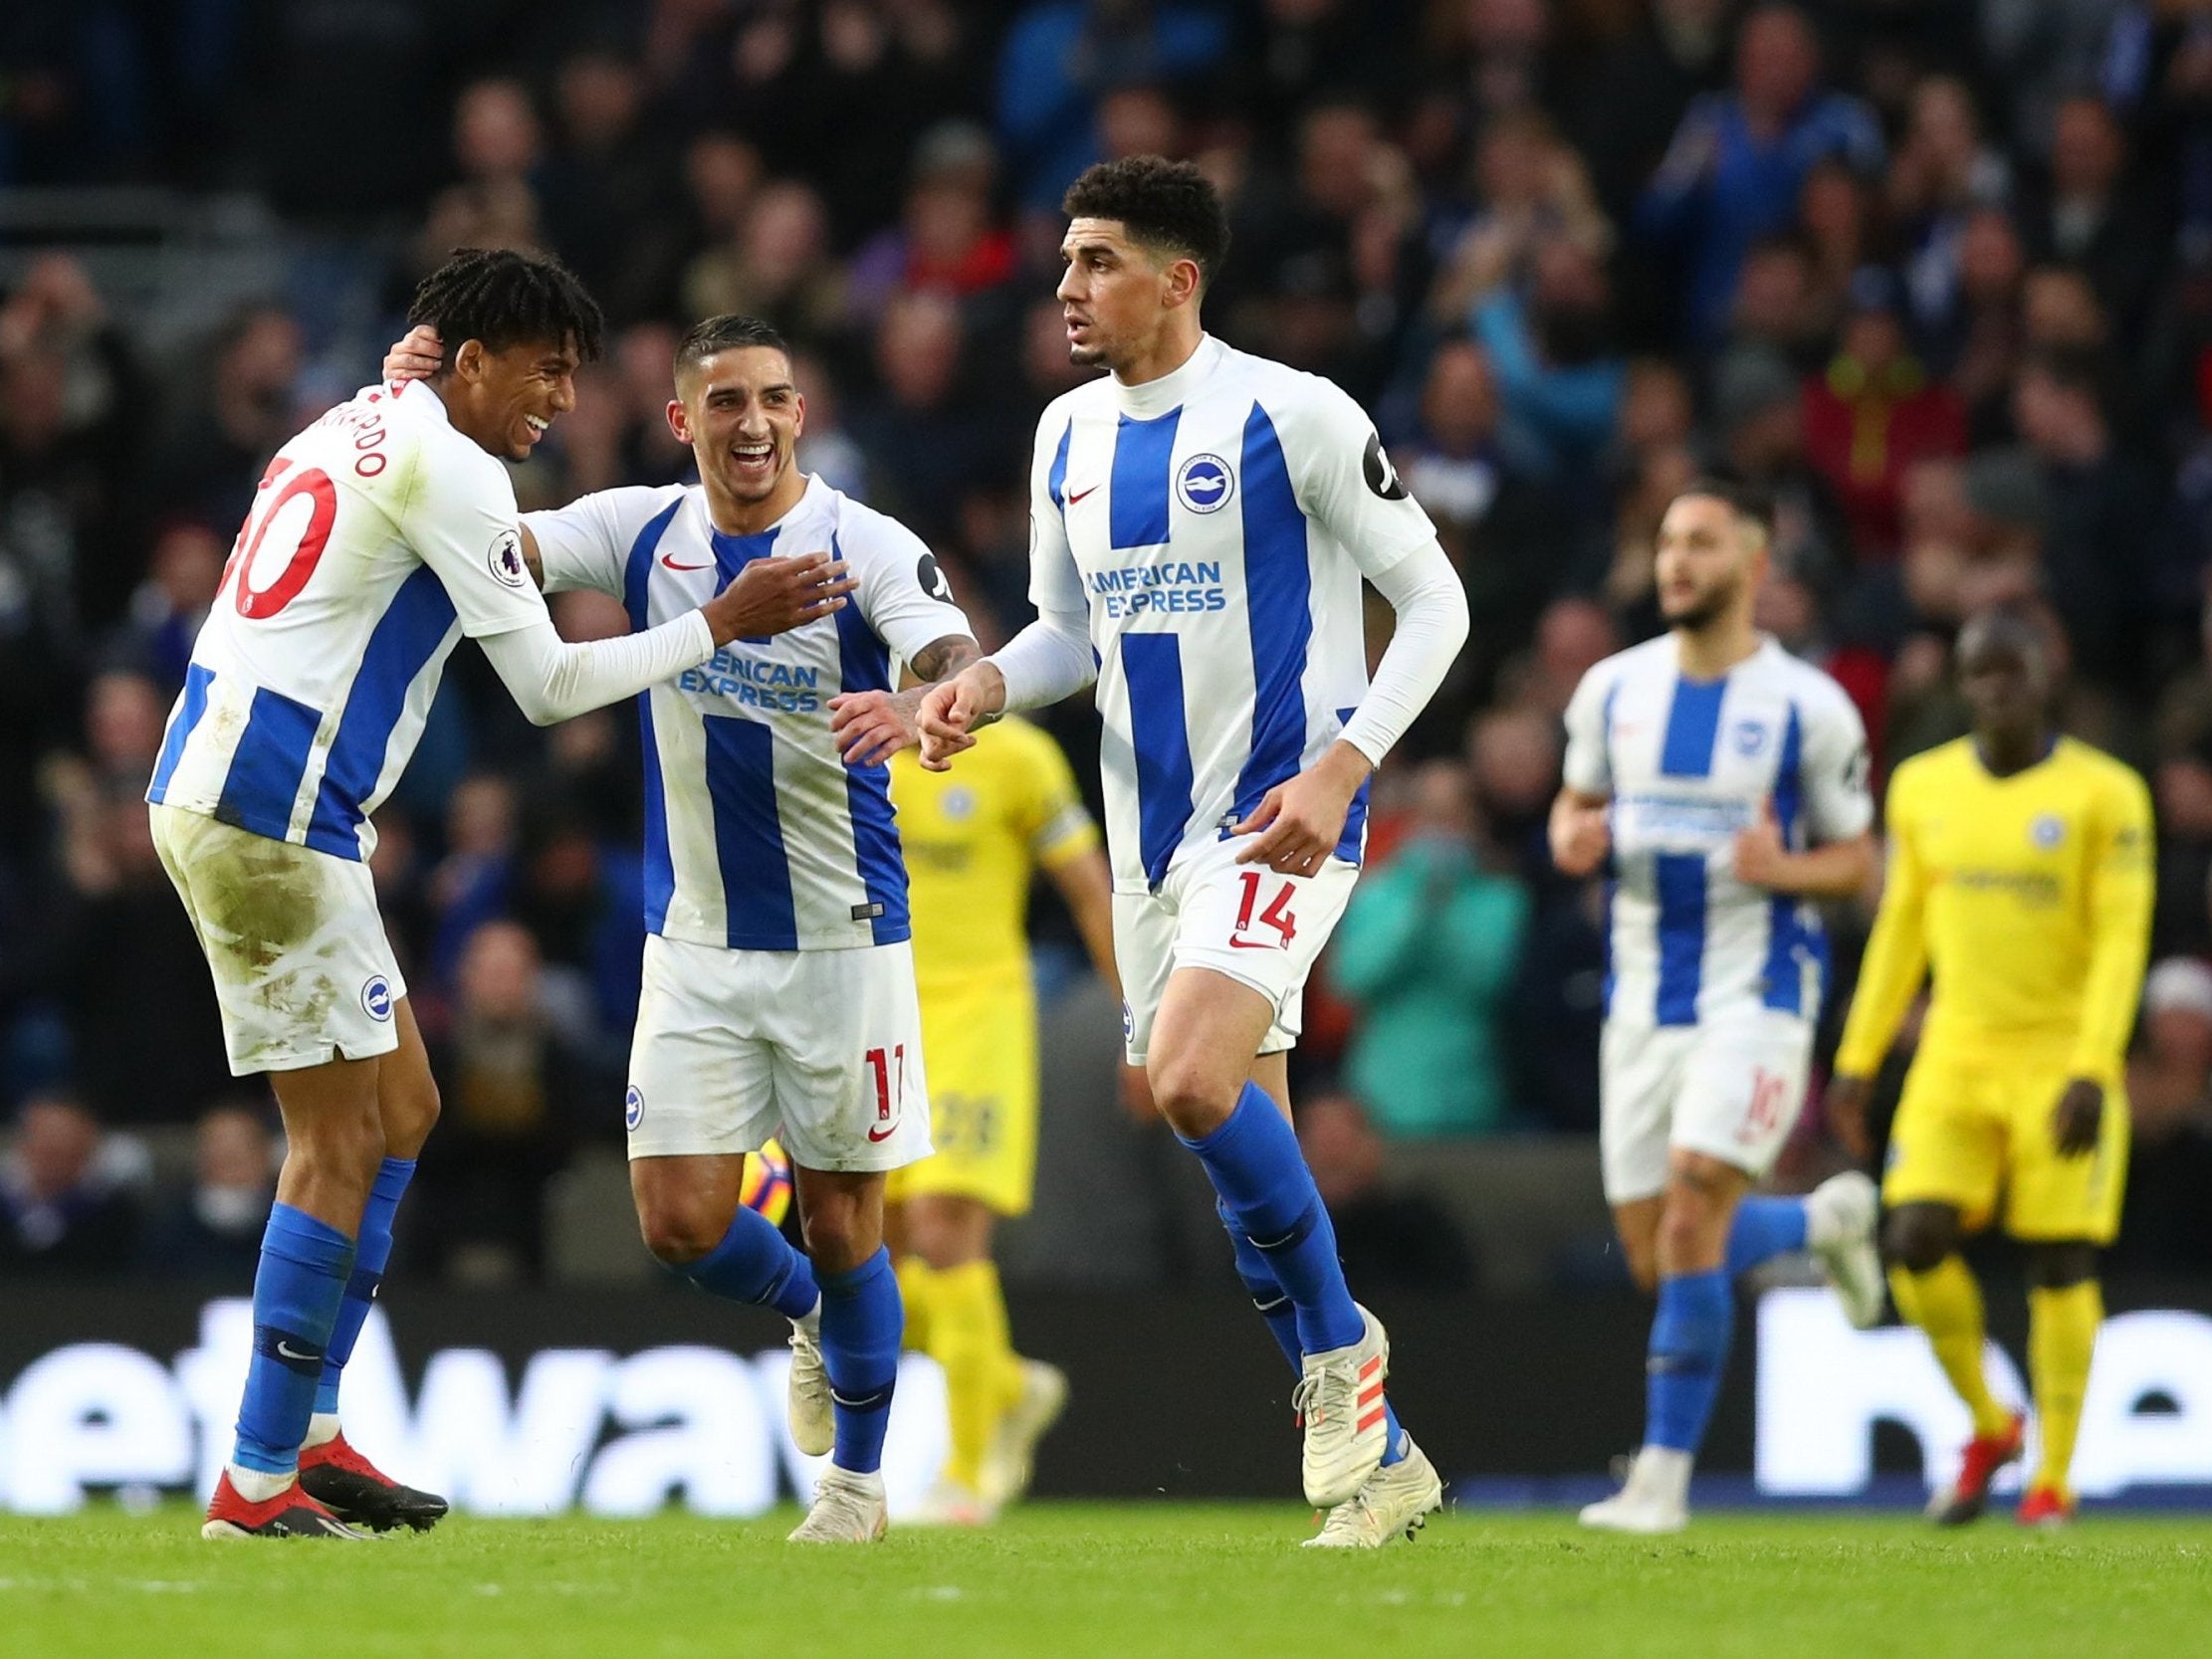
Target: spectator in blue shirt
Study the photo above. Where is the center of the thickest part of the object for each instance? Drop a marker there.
(1738, 162)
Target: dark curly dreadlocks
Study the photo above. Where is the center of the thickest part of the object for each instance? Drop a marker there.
(505, 299)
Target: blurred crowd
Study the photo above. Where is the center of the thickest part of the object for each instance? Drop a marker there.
(1937, 272)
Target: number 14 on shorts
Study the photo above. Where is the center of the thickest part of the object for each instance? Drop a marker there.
(1276, 915)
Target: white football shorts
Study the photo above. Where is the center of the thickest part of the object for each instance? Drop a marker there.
(1245, 921)
(303, 971)
(820, 1049)
(1731, 1089)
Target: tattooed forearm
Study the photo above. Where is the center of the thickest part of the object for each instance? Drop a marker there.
(532, 560)
(943, 658)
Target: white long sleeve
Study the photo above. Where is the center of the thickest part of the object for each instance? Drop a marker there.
(1050, 660)
(1431, 608)
(552, 679)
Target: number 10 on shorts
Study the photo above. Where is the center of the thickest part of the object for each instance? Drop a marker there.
(889, 1067)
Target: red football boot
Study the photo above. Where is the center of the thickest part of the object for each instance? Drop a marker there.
(362, 1495)
(2046, 1507)
(289, 1514)
(1967, 1496)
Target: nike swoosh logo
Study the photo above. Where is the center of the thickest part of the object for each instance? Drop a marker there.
(1236, 944)
(669, 560)
(286, 1350)
(883, 1132)
(1078, 495)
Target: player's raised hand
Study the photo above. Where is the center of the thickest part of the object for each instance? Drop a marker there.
(2079, 1118)
(952, 709)
(415, 356)
(1759, 855)
(1580, 834)
(1298, 824)
(872, 727)
(1846, 1109)
(775, 595)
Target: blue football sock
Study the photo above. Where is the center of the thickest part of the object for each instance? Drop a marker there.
(371, 1255)
(754, 1263)
(1282, 1321)
(304, 1266)
(1689, 1349)
(1764, 1228)
(1262, 1178)
(862, 1322)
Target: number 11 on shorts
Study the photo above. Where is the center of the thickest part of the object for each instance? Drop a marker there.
(890, 1069)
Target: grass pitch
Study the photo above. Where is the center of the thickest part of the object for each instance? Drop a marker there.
(1121, 1581)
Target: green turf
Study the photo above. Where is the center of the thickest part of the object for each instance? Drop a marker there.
(1124, 1581)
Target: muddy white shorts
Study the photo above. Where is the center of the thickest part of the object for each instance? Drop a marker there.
(818, 1049)
(303, 971)
(1240, 919)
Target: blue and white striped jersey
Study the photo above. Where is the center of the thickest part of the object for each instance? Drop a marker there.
(1214, 524)
(758, 835)
(379, 537)
(1688, 764)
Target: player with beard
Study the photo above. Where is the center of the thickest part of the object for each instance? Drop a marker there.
(1721, 783)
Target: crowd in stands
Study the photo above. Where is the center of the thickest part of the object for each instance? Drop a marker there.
(1938, 274)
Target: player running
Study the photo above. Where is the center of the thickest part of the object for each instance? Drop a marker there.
(778, 979)
(381, 534)
(972, 844)
(1726, 781)
(1200, 522)
(2021, 879)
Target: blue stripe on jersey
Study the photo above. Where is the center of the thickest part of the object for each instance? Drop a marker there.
(1692, 722)
(660, 869)
(196, 682)
(266, 768)
(1137, 498)
(749, 834)
(1278, 613)
(1353, 842)
(1611, 896)
(1151, 664)
(864, 664)
(1681, 880)
(406, 637)
(1788, 938)
(1055, 480)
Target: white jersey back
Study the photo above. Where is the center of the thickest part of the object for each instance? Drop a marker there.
(1214, 524)
(379, 536)
(758, 835)
(1688, 764)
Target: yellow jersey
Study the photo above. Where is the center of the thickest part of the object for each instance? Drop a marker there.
(973, 838)
(2027, 898)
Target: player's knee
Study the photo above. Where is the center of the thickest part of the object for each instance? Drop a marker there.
(678, 1233)
(1643, 1259)
(1188, 1093)
(1917, 1237)
(833, 1237)
(2062, 1265)
(409, 1118)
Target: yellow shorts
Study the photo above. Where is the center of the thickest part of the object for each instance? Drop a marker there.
(1974, 1132)
(982, 1052)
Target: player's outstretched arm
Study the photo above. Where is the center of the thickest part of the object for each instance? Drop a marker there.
(871, 727)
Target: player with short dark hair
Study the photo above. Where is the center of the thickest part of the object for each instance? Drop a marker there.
(1723, 785)
(1201, 522)
(2021, 882)
(379, 537)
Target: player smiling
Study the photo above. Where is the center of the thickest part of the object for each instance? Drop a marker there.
(1240, 739)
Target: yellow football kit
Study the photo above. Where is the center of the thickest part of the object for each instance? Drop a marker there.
(973, 837)
(2027, 898)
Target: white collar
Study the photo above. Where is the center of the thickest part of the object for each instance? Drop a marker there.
(1171, 390)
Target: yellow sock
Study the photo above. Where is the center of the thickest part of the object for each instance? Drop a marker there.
(918, 1289)
(967, 1337)
(2062, 1332)
(1946, 1303)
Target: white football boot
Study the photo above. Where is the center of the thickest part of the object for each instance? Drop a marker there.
(1654, 1498)
(806, 1398)
(848, 1509)
(1396, 1501)
(1340, 1401)
(950, 1503)
(1839, 1221)
(1010, 1461)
